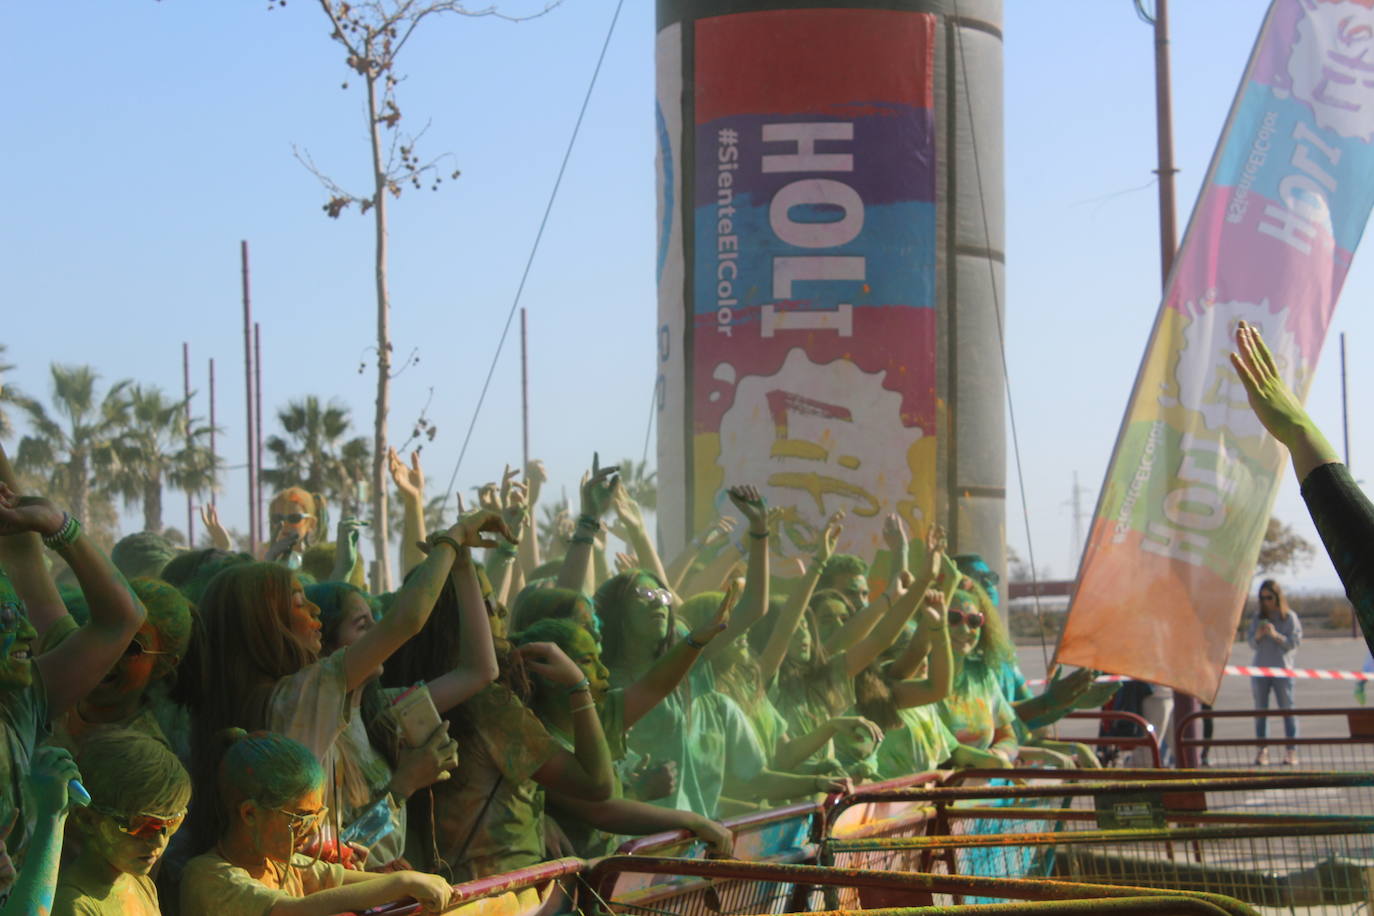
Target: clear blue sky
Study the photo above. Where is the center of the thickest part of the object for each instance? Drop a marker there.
(146, 139)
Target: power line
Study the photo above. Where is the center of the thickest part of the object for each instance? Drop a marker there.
(534, 249)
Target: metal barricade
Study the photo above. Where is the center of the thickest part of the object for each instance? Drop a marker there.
(1351, 748)
(696, 887)
(1147, 741)
(1262, 839)
(495, 895)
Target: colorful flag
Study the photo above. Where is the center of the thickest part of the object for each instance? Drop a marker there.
(1191, 483)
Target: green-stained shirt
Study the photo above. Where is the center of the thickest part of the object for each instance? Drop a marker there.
(24, 719)
(804, 714)
(922, 743)
(492, 797)
(586, 839)
(84, 894)
(975, 710)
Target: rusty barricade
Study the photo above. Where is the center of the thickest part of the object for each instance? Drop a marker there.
(731, 887)
(498, 895)
(1261, 838)
(1349, 748)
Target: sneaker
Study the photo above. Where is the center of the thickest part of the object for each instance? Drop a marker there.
(1290, 759)
(1262, 758)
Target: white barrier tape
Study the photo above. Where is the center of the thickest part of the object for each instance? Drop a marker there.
(1316, 674)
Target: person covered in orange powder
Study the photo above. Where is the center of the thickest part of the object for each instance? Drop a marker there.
(296, 520)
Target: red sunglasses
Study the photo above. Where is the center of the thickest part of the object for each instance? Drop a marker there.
(971, 619)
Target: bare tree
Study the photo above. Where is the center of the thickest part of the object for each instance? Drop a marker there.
(1283, 549)
(373, 34)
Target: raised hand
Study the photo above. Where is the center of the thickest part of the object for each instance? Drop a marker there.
(627, 512)
(752, 506)
(488, 497)
(598, 488)
(470, 529)
(721, 619)
(717, 533)
(516, 511)
(895, 536)
(932, 614)
(219, 537)
(1276, 406)
(550, 662)
(347, 536)
(536, 476)
(829, 538)
(508, 481)
(937, 545)
(51, 771)
(625, 562)
(409, 480)
(22, 514)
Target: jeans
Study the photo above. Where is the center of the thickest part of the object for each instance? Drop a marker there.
(1283, 696)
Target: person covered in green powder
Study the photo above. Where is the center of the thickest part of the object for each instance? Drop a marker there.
(139, 795)
(271, 790)
(815, 685)
(593, 827)
(127, 697)
(36, 690)
(50, 787)
(639, 628)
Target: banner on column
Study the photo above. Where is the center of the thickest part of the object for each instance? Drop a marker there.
(1192, 480)
(812, 357)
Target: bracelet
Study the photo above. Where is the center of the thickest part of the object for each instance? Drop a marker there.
(693, 643)
(584, 684)
(582, 708)
(588, 521)
(759, 537)
(583, 539)
(437, 539)
(507, 550)
(64, 536)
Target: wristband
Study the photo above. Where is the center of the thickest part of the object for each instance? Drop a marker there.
(438, 539)
(584, 684)
(507, 550)
(583, 708)
(64, 536)
(583, 539)
(758, 537)
(693, 643)
(588, 521)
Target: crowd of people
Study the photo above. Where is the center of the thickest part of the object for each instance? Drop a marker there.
(238, 734)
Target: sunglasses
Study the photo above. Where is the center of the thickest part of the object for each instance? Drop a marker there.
(135, 649)
(304, 824)
(657, 597)
(291, 518)
(144, 826)
(971, 619)
(11, 613)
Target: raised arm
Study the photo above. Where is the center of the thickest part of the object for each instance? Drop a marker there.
(754, 601)
(21, 556)
(587, 771)
(535, 478)
(410, 483)
(933, 631)
(715, 534)
(932, 563)
(663, 677)
(416, 599)
(477, 665)
(771, 659)
(597, 489)
(631, 529)
(73, 669)
(52, 772)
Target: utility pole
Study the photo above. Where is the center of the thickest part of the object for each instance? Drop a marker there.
(186, 391)
(249, 426)
(1076, 504)
(524, 389)
(257, 421)
(1184, 705)
(1345, 406)
(214, 455)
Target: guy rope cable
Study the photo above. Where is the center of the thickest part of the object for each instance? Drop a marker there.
(534, 249)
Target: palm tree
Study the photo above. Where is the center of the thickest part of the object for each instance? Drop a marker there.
(315, 454)
(8, 395)
(640, 483)
(72, 445)
(160, 445)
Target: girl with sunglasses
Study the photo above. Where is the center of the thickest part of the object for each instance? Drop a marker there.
(975, 710)
(639, 629)
(257, 661)
(271, 790)
(139, 794)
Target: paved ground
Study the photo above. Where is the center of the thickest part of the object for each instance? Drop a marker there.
(1341, 653)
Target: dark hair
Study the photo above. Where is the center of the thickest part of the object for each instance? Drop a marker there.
(1280, 597)
(612, 602)
(329, 597)
(873, 698)
(558, 630)
(264, 767)
(842, 564)
(535, 604)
